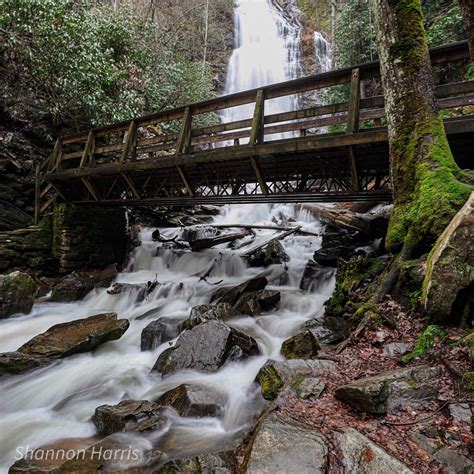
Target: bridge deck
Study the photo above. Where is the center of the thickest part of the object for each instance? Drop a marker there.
(285, 157)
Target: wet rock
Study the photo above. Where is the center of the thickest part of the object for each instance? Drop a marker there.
(329, 257)
(453, 461)
(309, 387)
(16, 363)
(126, 416)
(76, 285)
(81, 335)
(220, 463)
(155, 235)
(360, 455)
(211, 312)
(191, 400)
(330, 329)
(232, 295)
(284, 445)
(206, 347)
(272, 254)
(314, 276)
(396, 349)
(301, 346)
(449, 280)
(158, 331)
(257, 302)
(17, 293)
(391, 389)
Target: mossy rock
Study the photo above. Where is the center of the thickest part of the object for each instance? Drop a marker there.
(17, 293)
(425, 342)
(301, 346)
(270, 381)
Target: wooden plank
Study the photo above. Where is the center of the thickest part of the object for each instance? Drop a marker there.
(55, 157)
(47, 204)
(131, 185)
(129, 148)
(58, 191)
(185, 180)
(45, 190)
(88, 150)
(184, 140)
(90, 188)
(259, 175)
(257, 132)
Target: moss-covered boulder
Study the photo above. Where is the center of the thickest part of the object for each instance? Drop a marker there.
(301, 346)
(448, 289)
(270, 381)
(17, 293)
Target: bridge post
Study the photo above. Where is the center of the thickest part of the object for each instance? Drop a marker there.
(130, 146)
(87, 155)
(184, 139)
(353, 125)
(257, 133)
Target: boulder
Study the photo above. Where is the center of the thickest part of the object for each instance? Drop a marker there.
(232, 295)
(128, 415)
(309, 387)
(17, 294)
(314, 276)
(396, 349)
(329, 257)
(273, 376)
(359, 455)
(301, 346)
(410, 386)
(211, 312)
(191, 400)
(453, 461)
(460, 412)
(284, 445)
(449, 281)
(76, 285)
(330, 329)
(271, 254)
(81, 335)
(16, 363)
(257, 302)
(158, 331)
(219, 463)
(206, 347)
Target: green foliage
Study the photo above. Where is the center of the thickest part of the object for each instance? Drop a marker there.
(75, 63)
(443, 22)
(355, 34)
(425, 342)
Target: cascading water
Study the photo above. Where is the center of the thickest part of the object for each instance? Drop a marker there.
(57, 402)
(323, 53)
(267, 50)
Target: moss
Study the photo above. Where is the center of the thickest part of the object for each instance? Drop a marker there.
(270, 382)
(469, 342)
(425, 342)
(296, 381)
(468, 380)
(428, 183)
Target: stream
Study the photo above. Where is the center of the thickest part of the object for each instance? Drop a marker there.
(57, 402)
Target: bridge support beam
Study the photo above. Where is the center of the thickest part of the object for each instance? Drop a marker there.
(353, 118)
(259, 176)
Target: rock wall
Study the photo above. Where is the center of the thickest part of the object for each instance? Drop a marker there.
(88, 236)
(29, 247)
(73, 237)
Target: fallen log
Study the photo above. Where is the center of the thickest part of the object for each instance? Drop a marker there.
(207, 243)
(259, 226)
(280, 236)
(372, 226)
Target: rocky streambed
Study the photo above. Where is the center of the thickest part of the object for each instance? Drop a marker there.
(213, 352)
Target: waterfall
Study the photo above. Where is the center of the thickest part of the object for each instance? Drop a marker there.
(323, 53)
(267, 50)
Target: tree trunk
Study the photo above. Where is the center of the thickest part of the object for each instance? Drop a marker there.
(427, 183)
(467, 8)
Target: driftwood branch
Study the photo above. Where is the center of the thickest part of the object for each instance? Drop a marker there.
(354, 335)
(258, 226)
(207, 243)
(280, 236)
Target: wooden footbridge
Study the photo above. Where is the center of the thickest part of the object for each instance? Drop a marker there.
(170, 158)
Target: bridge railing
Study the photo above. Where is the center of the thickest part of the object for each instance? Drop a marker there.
(171, 132)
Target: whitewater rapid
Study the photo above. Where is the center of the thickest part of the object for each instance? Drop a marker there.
(58, 401)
